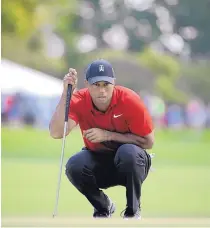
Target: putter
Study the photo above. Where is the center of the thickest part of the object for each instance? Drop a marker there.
(69, 90)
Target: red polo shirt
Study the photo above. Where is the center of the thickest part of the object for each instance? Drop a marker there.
(126, 114)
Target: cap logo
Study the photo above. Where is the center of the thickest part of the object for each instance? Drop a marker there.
(101, 68)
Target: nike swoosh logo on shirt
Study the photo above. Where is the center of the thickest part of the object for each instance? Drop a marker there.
(115, 116)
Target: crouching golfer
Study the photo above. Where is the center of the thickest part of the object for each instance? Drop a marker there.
(116, 129)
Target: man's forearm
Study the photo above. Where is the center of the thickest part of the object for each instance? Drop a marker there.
(128, 138)
(57, 121)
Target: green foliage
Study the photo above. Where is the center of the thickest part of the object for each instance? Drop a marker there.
(167, 71)
(160, 64)
(194, 13)
(109, 54)
(166, 88)
(22, 23)
(67, 27)
(197, 77)
(23, 54)
(186, 13)
(18, 16)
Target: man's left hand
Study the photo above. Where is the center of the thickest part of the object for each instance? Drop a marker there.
(96, 135)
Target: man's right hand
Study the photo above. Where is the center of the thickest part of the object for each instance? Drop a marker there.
(70, 78)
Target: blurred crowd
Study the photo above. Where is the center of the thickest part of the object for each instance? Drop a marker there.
(23, 109)
(194, 114)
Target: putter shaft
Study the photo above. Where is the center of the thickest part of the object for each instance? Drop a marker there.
(60, 171)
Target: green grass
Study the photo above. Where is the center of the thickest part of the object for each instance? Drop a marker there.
(179, 187)
(179, 148)
(28, 188)
(34, 143)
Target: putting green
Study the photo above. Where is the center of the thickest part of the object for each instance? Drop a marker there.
(90, 222)
(179, 186)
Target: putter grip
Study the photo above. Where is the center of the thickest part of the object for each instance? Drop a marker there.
(68, 102)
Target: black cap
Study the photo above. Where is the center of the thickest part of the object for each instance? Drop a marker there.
(100, 70)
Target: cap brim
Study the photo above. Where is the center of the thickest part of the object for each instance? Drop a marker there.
(101, 78)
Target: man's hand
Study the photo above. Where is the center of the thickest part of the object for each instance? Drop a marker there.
(70, 78)
(96, 135)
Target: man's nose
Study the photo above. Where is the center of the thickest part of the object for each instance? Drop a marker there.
(102, 89)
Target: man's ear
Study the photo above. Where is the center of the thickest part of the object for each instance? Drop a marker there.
(114, 82)
(86, 83)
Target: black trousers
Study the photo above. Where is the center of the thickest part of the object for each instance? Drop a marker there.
(90, 172)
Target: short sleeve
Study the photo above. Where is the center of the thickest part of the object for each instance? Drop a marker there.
(138, 117)
(74, 108)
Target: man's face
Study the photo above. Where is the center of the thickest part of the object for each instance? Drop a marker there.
(101, 92)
